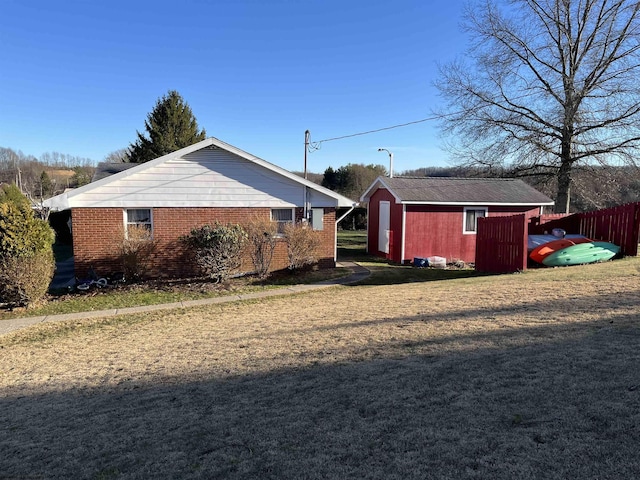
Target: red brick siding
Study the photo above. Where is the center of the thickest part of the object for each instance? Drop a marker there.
(97, 232)
(326, 254)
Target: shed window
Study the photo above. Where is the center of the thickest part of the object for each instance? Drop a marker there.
(282, 216)
(138, 219)
(471, 216)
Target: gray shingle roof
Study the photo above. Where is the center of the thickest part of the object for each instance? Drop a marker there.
(106, 169)
(465, 190)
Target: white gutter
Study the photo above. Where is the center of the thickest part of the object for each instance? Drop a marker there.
(495, 204)
(353, 207)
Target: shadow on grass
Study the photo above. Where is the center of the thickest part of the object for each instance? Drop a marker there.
(520, 407)
(154, 292)
(384, 272)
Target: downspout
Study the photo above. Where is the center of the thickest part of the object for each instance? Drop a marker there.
(353, 207)
(305, 204)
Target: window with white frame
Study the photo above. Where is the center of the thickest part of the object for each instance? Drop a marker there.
(138, 219)
(282, 216)
(470, 218)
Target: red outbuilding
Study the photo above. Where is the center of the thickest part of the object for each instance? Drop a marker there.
(411, 218)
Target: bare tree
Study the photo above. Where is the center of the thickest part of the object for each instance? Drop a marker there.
(118, 156)
(552, 85)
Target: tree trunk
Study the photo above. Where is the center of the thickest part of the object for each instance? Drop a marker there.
(566, 154)
(564, 186)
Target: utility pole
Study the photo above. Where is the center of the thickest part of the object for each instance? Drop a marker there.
(305, 196)
(307, 134)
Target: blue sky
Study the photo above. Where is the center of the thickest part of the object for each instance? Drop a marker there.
(80, 77)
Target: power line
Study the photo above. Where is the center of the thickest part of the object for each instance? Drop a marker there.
(316, 145)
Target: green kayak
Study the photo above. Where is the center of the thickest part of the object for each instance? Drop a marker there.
(582, 253)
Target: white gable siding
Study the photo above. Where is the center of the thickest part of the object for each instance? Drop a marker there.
(210, 177)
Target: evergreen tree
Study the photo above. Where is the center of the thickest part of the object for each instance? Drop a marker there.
(44, 185)
(170, 127)
(353, 179)
(82, 176)
(330, 179)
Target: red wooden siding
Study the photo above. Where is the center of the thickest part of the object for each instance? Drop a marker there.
(547, 217)
(395, 241)
(98, 231)
(437, 230)
(429, 230)
(501, 244)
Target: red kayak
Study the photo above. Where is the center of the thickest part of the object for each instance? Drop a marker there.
(540, 252)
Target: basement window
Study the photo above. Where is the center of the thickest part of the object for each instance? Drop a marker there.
(282, 216)
(138, 223)
(470, 218)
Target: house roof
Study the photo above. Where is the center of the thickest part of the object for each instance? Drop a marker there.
(106, 169)
(210, 173)
(459, 191)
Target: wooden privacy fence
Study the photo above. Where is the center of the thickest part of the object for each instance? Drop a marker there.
(619, 225)
(501, 244)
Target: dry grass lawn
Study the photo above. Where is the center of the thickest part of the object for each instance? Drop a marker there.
(530, 376)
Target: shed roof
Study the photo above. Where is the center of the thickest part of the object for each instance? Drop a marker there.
(459, 191)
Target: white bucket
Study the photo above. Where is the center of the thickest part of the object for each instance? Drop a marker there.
(437, 262)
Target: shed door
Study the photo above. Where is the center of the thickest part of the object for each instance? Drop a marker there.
(383, 227)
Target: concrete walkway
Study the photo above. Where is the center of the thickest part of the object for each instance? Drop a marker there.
(357, 273)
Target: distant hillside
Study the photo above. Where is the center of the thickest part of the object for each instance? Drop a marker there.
(49, 175)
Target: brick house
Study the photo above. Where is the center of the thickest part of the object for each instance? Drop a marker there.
(205, 182)
(410, 217)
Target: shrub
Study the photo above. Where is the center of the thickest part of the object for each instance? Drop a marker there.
(302, 245)
(136, 252)
(21, 232)
(261, 243)
(26, 256)
(217, 249)
(25, 280)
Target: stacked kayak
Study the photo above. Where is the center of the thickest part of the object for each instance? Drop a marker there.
(590, 252)
(539, 253)
(573, 251)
